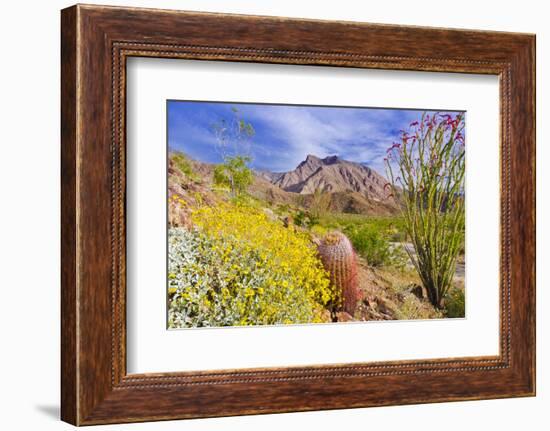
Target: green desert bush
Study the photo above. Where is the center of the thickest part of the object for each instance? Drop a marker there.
(373, 244)
(301, 218)
(391, 227)
(370, 244)
(234, 174)
(183, 164)
(455, 303)
(305, 219)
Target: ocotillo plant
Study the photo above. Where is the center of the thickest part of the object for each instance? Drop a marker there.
(340, 261)
(426, 172)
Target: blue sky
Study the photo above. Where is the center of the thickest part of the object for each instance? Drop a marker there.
(286, 134)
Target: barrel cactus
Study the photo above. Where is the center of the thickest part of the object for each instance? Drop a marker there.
(339, 259)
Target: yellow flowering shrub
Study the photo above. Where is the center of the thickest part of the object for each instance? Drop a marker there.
(241, 268)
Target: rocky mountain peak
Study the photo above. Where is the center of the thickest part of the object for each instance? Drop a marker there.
(310, 158)
(330, 160)
(332, 174)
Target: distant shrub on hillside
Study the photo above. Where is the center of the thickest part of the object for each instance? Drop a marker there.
(234, 174)
(372, 244)
(183, 164)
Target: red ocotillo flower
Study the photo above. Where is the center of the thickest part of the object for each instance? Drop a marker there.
(395, 145)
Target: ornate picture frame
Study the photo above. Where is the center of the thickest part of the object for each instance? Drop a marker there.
(96, 42)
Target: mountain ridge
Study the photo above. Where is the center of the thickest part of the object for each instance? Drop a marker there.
(331, 174)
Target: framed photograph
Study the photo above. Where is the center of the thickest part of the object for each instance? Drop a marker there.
(264, 215)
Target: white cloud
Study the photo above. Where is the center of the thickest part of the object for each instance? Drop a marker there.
(357, 135)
